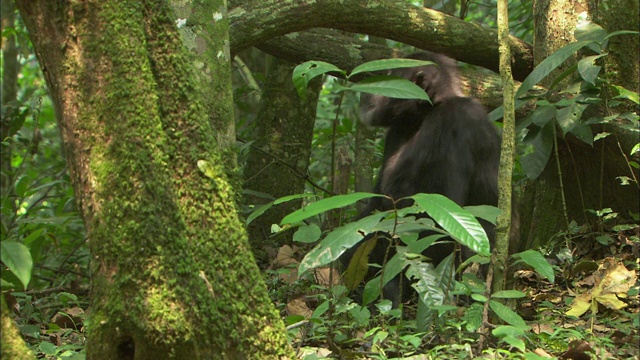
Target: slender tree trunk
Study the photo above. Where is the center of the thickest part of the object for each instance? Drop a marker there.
(503, 225)
(172, 273)
(279, 158)
(10, 69)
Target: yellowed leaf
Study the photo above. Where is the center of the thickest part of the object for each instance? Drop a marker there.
(359, 264)
(611, 301)
(618, 280)
(580, 305)
(299, 307)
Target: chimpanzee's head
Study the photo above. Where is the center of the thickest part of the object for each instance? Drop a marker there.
(439, 81)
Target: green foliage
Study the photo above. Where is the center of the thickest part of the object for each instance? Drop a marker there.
(454, 221)
(537, 262)
(17, 258)
(42, 235)
(564, 108)
(385, 85)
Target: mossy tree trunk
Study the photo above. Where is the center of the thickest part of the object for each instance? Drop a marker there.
(13, 346)
(172, 273)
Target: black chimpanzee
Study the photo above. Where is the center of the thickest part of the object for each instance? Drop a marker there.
(448, 147)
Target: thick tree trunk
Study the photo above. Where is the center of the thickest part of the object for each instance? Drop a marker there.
(172, 273)
(588, 172)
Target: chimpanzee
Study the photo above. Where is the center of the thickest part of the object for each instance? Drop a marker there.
(448, 147)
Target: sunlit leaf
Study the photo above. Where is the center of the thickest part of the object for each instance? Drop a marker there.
(327, 204)
(549, 64)
(507, 315)
(307, 71)
(307, 234)
(17, 258)
(390, 86)
(387, 64)
(338, 241)
(537, 262)
(457, 221)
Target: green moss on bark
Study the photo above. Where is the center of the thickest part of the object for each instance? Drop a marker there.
(172, 272)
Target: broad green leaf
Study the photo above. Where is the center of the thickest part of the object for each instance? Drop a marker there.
(549, 64)
(537, 262)
(583, 133)
(588, 31)
(338, 241)
(394, 267)
(263, 208)
(626, 94)
(588, 69)
(21, 186)
(387, 64)
(515, 342)
(17, 258)
(507, 330)
(323, 205)
(321, 309)
(568, 117)
(47, 348)
(479, 298)
(542, 141)
(511, 335)
(307, 71)
(259, 211)
(543, 114)
(473, 317)
(484, 212)
(457, 221)
(307, 234)
(33, 236)
(433, 287)
(405, 226)
(391, 86)
(371, 290)
(507, 315)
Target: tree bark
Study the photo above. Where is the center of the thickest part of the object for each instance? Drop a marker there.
(253, 22)
(279, 158)
(10, 70)
(505, 173)
(13, 346)
(172, 273)
(206, 27)
(588, 172)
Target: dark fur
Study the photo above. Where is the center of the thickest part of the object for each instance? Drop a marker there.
(447, 147)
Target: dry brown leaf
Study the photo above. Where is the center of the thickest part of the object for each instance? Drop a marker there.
(299, 307)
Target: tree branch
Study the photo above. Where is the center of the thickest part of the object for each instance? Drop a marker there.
(254, 22)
